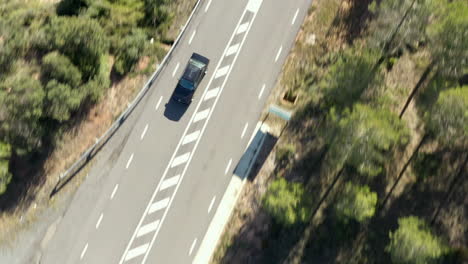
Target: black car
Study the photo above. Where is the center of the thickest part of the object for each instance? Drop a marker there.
(193, 75)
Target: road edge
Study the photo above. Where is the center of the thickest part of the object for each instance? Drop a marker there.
(228, 202)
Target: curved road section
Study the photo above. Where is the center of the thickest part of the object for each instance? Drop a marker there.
(163, 186)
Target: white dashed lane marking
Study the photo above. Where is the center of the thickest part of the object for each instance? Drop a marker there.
(242, 28)
(191, 137)
(84, 251)
(180, 159)
(148, 228)
(99, 221)
(278, 54)
(232, 49)
(144, 132)
(169, 182)
(295, 16)
(129, 161)
(192, 247)
(261, 91)
(245, 129)
(191, 37)
(201, 115)
(227, 167)
(161, 204)
(159, 103)
(114, 191)
(135, 252)
(175, 69)
(211, 94)
(208, 5)
(211, 204)
(221, 72)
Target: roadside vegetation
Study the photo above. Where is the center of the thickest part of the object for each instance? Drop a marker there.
(379, 171)
(58, 61)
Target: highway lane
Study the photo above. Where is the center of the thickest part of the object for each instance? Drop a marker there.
(98, 227)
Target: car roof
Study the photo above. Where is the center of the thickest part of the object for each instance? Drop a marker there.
(191, 71)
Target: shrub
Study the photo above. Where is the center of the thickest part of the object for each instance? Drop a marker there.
(413, 242)
(287, 202)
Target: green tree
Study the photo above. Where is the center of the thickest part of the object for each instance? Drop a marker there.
(448, 118)
(362, 137)
(413, 243)
(287, 202)
(62, 100)
(5, 175)
(130, 51)
(449, 38)
(357, 202)
(80, 39)
(158, 15)
(118, 18)
(59, 67)
(348, 78)
(21, 104)
(398, 23)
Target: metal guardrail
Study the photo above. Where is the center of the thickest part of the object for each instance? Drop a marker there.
(66, 176)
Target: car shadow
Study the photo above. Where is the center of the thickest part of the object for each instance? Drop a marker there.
(174, 110)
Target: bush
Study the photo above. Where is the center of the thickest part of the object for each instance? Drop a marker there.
(80, 39)
(59, 67)
(413, 242)
(357, 203)
(284, 154)
(448, 118)
(5, 175)
(62, 100)
(129, 52)
(288, 203)
(361, 138)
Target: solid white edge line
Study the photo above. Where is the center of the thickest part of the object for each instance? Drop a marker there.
(99, 221)
(211, 204)
(175, 69)
(295, 16)
(114, 191)
(192, 246)
(208, 5)
(129, 161)
(191, 37)
(279, 52)
(159, 102)
(144, 132)
(205, 124)
(228, 166)
(257, 127)
(261, 91)
(84, 251)
(245, 130)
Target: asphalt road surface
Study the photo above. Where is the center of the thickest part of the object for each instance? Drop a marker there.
(167, 179)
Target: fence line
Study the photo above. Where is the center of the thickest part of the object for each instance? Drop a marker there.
(66, 176)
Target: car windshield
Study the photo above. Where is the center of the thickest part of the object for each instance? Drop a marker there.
(186, 84)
